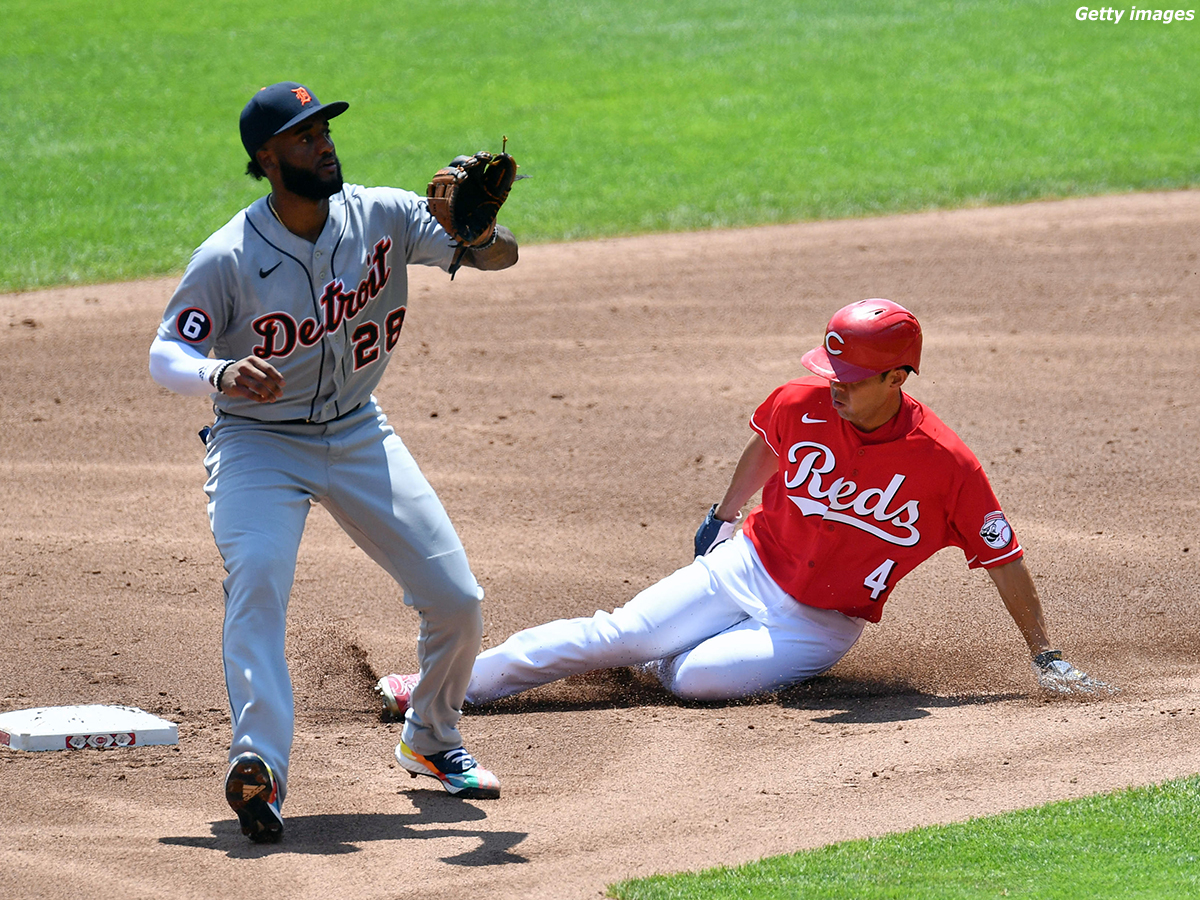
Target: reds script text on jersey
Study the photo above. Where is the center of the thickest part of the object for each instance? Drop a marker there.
(327, 315)
(849, 513)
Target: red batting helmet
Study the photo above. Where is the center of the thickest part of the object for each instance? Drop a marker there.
(864, 339)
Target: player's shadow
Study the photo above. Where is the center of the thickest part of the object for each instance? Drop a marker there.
(338, 833)
(849, 701)
(856, 702)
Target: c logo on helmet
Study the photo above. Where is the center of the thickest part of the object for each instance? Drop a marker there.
(833, 335)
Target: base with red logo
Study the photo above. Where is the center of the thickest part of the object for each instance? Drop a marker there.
(84, 727)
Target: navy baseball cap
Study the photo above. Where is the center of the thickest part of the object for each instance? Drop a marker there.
(279, 107)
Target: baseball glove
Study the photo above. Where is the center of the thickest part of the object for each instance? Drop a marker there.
(713, 531)
(466, 196)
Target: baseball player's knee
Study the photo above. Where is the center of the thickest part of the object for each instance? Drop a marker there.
(702, 682)
(703, 690)
(258, 579)
(689, 688)
(443, 582)
(454, 603)
(604, 627)
(625, 626)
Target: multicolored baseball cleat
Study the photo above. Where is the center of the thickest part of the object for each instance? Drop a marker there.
(253, 794)
(396, 691)
(456, 769)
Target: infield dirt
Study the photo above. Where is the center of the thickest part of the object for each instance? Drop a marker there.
(577, 415)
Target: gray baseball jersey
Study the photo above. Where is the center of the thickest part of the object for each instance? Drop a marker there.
(327, 315)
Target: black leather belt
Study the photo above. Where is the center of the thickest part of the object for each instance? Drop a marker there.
(205, 430)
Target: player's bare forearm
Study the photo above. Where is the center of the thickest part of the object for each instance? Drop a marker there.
(252, 379)
(499, 255)
(757, 463)
(1020, 597)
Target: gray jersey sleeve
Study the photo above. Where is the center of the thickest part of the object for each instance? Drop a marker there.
(202, 304)
(428, 244)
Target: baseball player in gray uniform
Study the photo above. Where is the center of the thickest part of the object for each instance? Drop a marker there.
(300, 300)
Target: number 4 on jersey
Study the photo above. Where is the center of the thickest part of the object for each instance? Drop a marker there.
(877, 580)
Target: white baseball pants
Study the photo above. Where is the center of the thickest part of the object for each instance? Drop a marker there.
(721, 626)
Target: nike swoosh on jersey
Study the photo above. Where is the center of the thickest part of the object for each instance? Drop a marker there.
(809, 420)
(263, 273)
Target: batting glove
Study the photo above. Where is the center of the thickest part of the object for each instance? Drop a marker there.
(1055, 674)
(714, 531)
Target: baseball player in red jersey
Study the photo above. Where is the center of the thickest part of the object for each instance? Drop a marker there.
(860, 484)
(300, 299)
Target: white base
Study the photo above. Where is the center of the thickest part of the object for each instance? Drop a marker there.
(79, 727)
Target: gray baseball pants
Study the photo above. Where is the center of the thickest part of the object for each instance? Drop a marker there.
(262, 479)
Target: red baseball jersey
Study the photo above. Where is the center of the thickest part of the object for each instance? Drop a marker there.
(850, 513)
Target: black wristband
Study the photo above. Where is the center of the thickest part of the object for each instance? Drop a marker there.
(219, 373)
(1043, 659)
(489, 242)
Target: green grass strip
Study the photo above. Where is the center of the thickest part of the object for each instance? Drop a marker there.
(120, 151)
(1139, 843)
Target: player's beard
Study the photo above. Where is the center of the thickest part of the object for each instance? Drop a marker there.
(310, 185)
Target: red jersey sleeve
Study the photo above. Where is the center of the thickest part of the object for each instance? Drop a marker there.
(979, 525)
(764, 420)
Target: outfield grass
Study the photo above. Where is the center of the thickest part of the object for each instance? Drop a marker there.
(1142, 843)
(121, 152)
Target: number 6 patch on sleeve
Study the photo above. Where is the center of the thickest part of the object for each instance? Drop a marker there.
(193, 325)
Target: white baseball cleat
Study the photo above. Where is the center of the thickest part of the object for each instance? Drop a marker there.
(396, 691)
(1056, 674)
